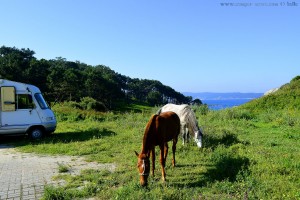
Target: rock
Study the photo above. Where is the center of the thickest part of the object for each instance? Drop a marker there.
(271, 91)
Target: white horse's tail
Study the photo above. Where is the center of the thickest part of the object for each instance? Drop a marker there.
(159, 111)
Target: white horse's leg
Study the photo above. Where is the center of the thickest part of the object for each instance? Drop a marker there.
(184, 133)
(187, 135)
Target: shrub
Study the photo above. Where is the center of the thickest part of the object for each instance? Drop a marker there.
(88, 103)
(62, 168)
(202, 109)
(295, 79)
(235, 113)
(72, 104)
(227, 164)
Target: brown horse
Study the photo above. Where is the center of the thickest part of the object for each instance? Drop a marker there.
(159, 130)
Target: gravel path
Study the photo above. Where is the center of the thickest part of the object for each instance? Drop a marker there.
(24, 175)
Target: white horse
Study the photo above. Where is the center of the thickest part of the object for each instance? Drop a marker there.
(187, 120)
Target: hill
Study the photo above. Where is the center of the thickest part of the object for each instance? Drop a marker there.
(222, 96)
(286, 97)
(61, 80)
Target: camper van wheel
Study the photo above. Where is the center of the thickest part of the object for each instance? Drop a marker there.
(36, 133)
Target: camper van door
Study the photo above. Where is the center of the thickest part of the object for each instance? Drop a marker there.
(18, 110)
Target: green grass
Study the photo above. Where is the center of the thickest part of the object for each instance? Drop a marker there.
(62, 168)
(245, 156)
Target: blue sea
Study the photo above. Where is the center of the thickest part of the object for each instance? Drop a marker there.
(219, 104)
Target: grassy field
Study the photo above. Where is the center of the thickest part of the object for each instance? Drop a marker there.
(244, 156)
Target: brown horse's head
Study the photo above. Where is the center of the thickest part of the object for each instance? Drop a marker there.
(143, 167)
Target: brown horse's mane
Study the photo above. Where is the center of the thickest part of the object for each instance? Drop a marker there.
(148, 135)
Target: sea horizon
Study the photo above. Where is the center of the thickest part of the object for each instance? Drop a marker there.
(218, 100)
(219, 104)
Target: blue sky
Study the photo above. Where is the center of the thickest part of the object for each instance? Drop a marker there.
(191, 45)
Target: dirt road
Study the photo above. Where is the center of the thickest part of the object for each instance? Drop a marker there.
(24, 175)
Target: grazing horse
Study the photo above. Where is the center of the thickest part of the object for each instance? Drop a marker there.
(189, 123)
(159, 130)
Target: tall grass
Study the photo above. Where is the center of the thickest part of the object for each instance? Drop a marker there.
(244, 156)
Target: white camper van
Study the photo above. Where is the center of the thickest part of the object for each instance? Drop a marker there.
(23, 110)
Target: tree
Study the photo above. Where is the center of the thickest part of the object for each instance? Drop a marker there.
(154, 98)
(37, 73)
(65, 80)
(62, 80)
(102, 84)
(196, 102)
(14, 62)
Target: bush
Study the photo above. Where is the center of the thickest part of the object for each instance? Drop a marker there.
(295, 79)
(88, 103)
(202, 109)
(287, 117)
(72, 111)
(228, 164)
(73, 104)
(231, 114)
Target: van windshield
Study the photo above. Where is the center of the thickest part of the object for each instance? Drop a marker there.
(41, 101)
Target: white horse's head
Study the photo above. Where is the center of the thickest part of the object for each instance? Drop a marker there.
(198, 137)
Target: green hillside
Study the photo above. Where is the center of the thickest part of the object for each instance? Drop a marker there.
(287, 97)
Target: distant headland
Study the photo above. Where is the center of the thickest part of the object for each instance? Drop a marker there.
(222, 96)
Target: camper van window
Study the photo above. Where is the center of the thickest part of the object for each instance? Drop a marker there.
(25, 101)
(40, 99)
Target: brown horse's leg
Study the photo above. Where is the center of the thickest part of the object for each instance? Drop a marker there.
(166, 151)
(162, 162)
(173, 150)
(153, 160)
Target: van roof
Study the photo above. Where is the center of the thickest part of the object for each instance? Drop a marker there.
(20, 87)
